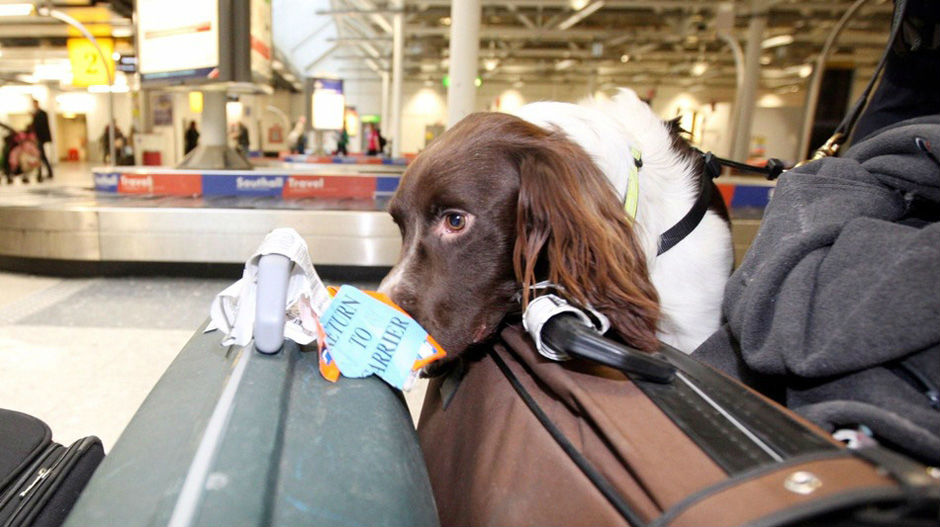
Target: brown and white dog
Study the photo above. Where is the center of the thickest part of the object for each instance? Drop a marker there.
(500, 202)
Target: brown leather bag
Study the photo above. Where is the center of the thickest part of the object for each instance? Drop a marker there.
(523, 440)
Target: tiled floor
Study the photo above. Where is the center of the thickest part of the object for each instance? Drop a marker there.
(83, 353)
(66, 173)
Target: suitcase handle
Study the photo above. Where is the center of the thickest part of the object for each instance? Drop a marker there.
(271, 302)
(566, 332)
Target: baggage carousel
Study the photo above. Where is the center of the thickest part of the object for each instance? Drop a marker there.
(161, 216)
(102, 223)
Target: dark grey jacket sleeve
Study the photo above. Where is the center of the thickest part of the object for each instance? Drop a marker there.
(840, 285)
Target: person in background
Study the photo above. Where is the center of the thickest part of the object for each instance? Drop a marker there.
(106, 140)
(374, 146)
(295, 139)
(342, 142)
(40, 127)
(241, 138)
(382, 141)
(191, 138)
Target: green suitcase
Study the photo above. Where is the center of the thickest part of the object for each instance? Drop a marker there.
(230, 436)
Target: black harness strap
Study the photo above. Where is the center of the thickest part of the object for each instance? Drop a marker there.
(600, 482)
(690, 221)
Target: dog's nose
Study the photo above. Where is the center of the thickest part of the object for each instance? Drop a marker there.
(404, 298)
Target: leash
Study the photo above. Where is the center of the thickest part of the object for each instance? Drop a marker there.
(713, 164)
(847, 126)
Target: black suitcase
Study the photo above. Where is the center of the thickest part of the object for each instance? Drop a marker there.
(40, 480)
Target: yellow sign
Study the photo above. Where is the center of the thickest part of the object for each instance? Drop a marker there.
(87, 67)
(195, 101)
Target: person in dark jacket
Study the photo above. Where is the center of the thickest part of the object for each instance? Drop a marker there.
(834, 310)
(40, 127)
(241, 138)
(192, 137)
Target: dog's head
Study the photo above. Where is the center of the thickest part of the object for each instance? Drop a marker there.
(495, 205)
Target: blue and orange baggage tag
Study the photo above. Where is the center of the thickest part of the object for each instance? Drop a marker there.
(363, 333)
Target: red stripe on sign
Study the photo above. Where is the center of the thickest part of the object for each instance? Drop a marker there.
(161, 184)
(727, 192)
(329, 187)
(177, 184)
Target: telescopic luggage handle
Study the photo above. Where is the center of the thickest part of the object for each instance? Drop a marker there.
(567, 333)
(561, 330)
(273, 276)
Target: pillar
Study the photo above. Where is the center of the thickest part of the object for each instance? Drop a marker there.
(748, 91)
(384, 114)
(213, 132)
(398, 49)
(213, 151)
(464, 52)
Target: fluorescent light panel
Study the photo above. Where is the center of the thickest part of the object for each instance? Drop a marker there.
(581, 15)
(779, 40)
(18, 9)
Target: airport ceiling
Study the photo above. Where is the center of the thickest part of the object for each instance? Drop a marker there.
(604, 42)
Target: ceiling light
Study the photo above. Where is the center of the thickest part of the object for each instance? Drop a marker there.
(779, 40)
(699, 68)
(53, 71)
(122, 32)
(490, 64)
(582, 13)
(624, 58)
(578, 5)
(564, 64)
(445, 21)
(805, 71)
(18, 9)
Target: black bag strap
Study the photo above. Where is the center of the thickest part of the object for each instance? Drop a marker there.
(600, 482)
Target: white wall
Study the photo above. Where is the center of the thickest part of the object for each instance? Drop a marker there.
(776, 123)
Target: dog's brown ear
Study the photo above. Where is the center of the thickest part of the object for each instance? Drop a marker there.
(571, 230)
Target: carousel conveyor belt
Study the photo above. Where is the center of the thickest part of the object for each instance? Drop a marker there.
(81, 225)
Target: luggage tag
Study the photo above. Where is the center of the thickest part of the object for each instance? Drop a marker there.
(364, 333)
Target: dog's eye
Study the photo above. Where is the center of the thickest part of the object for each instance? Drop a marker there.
(455, 221)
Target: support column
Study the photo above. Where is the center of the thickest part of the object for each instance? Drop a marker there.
(748, 93)
(213, 150)
(384, 114)
(398, 49)
(213, 119)
(464, 52)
